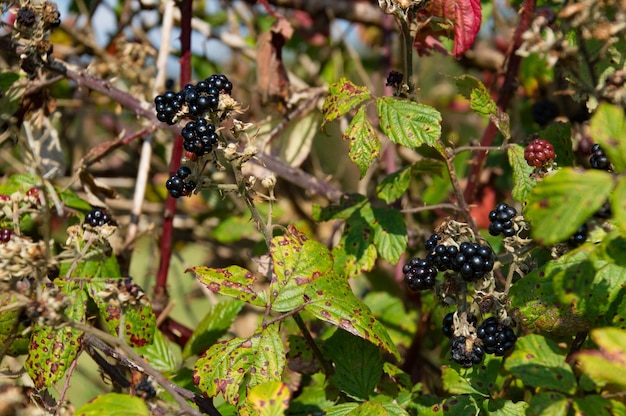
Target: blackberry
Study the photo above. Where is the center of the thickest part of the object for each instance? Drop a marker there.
(473, 261)
(199, 137)
(579, 237)
(26, 17)
(5, 235)
(183, 172)
(496, 338)
(432, 242)
(447, 326)
(419, 274)
(167, 106)
(177, 187)
(98, 217)
(443, 257)
(465, 352)
(198, 100)
(501, 220)
(539, 152)
(220, 83)
(598, 159)
(544, 112)
(394, 79)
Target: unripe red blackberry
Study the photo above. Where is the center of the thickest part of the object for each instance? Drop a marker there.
(539, 152)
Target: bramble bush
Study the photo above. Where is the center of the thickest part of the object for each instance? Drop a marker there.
(458, 251)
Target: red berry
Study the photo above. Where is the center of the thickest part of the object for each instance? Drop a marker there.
(539, 152)
(34, 193)
(4, 198)
(5, 235)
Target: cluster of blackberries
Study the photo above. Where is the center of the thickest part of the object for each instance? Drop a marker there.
(598, 159)
(394, 79)
(199, 137)
(501, 220)
(471, 260)
(539, 152)
(466, 352)
(98, 217)
(579, 237)
(496, 338)
(5, 235)
(176, 184)
(199, 98)
(419, 274)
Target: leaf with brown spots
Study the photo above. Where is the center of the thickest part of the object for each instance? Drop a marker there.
(234, 366)
(298, 261)
(409, 123)
(11, 329)
(114, 404)
(331, 300)
(607, 364)
(233, 281)
(52, 349)
(343, 96)
(267, 399)
(364, 143)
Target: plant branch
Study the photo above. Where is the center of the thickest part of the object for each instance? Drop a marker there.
(458, 192)
(451, 207)
(311, 342)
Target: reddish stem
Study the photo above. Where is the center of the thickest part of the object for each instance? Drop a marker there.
(160, 290)
(504, 97)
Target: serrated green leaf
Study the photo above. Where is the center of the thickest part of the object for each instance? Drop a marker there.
(482, 103)
(11, 328)
(114, 404)
(560, 136)
(390, 235)
(233, 281)
(503, 407)
(298, 261)
(364, 143)
(608, 129)
(539, 362)
(358, 364)
(135, 316)
(562, 202)
(523, 182)
(548, 403)
(343, 96)
(267, 399)
(161, 354)
(607, 365)
(390, 310)
(409, 123)
(52, 349)
(343, 210)
(394, 185)
(213, 326)
(330, 299)
(454, 383)
(231, 367)
(593, 404)
(618, 204)
(100, 263)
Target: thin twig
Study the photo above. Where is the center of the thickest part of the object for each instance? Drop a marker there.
(449, 206)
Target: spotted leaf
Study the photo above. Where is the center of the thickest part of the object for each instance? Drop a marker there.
(364, 143)
(267, 399)
(343, 96)
(233, 281)
(409, 123)
(114, 404)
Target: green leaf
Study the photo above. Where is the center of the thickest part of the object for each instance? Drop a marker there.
(409, 123)
(397, 183)
(463, 405)
(135, 315)
(11, 329)
(454, 383)
(562, 202)
(114, 404)
(548, 403)
(233, 229)
(366, 409)
(267, 399)
(364, 143)
(607, 365)
(358, 364)
(343, 96)
(233, 281)
(618, 204)
(482, 103)
(593, 405)
(100, 263)
(390, 235)
(330, 299)
(608, 129)
(300, 356)
(355, 252)
(560, 136)
(298, 261)
(53, 349)
(213, 326)
(313, 398)
(539, 362)
(523, 182)
(503, 407)
(231, 367)
(7, 79)
(390, 310)
(161, 354)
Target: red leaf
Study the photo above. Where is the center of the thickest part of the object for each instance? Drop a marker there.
(464, 14)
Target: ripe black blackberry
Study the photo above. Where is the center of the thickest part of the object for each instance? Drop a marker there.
(432, 242)
(5, 235)
(199, 100)
(394, 79)
(176, 185)
(26, 17)
(598, 159)
(501, 219)
(167, 106)
(447, 326)
(465, 352)
(220, 83)
(496, 338)
(98, 217)
(579, 237)
(419, 274)
(544, 111)
(199, 137)
(539, 152)
(473, 261)
(443, 257)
